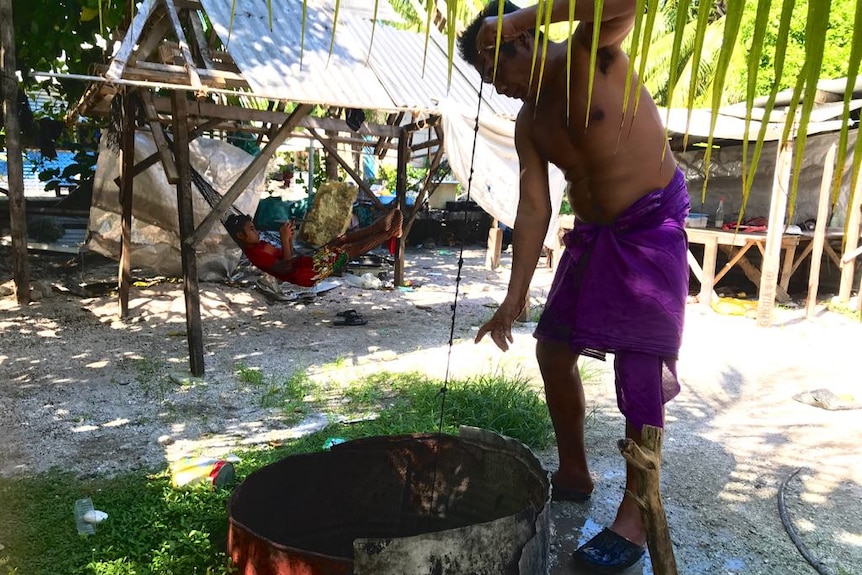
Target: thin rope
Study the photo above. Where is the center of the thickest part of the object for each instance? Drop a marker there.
(445, 389)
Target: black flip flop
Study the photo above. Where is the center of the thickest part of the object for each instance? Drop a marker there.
(353, 319)
(607, 553)
(347, 313)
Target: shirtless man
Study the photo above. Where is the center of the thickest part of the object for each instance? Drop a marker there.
(622, 281)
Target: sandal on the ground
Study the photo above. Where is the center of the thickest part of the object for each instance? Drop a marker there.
(607, 553)
(347, 313)
(352, 319)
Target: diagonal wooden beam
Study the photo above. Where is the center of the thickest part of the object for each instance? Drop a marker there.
(152, 159)
(200, 39)
(159, 137)
(152, 37)
(244, 179)
(130, 40)
(347, 167)
(191, 67)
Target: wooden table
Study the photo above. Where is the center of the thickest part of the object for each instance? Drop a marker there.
(736, 245)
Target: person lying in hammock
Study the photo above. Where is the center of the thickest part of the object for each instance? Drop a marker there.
(329, 259)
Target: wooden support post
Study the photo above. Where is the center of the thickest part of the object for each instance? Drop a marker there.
(774, 233)
(15, 163)
(194, 331)
(646, 459)
(401, 198)
(127, 175)
(851, 241)
(820, 232)
(710, 257)
(495, 245)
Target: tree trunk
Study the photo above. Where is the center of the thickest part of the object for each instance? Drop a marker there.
(15, 165)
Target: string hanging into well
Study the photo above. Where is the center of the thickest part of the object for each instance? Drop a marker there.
(445, 389)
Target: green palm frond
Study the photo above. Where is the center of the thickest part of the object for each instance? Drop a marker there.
(647, 42)
(594, 49)
(676, 46)
(569, 39)
(696, 76)
(732, 20)
(703, 13)
(852, 74)
(547, 22)
(429, 15)
(778, 67)
(302, 34)
(760, 21)
(373, 29)
(334, 25)
(815, 43)
(634, 42)
(539, 20)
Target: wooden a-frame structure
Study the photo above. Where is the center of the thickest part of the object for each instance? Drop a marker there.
(187, 84)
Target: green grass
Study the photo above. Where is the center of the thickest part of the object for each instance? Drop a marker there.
(153, 528)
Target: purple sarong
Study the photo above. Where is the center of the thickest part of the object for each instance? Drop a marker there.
(622, 288)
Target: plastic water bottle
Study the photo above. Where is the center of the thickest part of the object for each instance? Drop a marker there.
(191, 470)
(719, 213)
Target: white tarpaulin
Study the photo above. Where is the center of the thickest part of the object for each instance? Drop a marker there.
(495, 166)
(155, 219)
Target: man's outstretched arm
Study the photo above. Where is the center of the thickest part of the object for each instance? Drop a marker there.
(617, 17)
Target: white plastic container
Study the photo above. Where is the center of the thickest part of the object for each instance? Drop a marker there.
(696, 220)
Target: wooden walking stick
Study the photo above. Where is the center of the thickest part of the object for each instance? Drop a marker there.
(646, 458)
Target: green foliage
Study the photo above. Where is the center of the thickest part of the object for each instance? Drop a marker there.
(155, 529)
(81, 170)
(61, 34)
(410, 403)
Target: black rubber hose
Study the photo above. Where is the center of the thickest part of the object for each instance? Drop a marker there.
(791, 531)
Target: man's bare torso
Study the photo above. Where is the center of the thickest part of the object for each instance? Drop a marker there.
(609, 164)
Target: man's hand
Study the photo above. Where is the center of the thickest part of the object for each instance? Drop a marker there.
(486, 39)
(500, 328)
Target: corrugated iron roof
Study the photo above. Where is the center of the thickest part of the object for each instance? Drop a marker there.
(280, 63)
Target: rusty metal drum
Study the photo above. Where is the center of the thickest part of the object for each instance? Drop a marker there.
(476, 503)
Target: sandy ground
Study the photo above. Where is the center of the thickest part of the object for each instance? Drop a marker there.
(85, 391)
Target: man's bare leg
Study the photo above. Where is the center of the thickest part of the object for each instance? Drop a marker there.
(628, 521)
(564, 395)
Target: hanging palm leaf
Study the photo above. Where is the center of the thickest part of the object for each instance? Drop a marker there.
(569, 60)
(732, 19)
(680, 28)
(633, 55)
(703, 11)
(761, 19)
(778, 66)
(852, 74)
(815, 43)
(594, 50)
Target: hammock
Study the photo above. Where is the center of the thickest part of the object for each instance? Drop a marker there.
(213, 197)
(326, 260)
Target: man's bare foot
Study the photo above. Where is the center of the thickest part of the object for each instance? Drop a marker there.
(394, 221)
(628, 522)
(571, 486)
